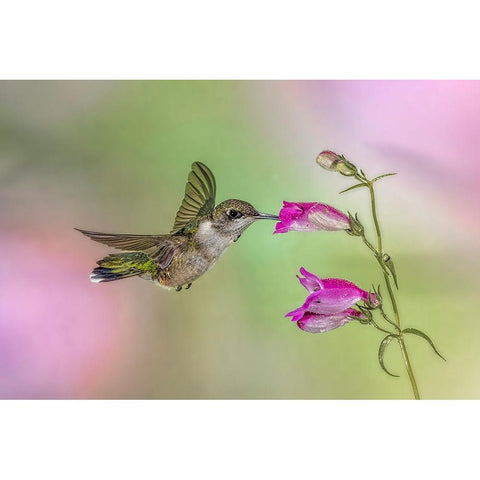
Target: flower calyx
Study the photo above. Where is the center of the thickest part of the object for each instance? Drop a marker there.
(356, 228)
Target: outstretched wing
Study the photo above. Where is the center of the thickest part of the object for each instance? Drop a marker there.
(125, 241)
(161, 248)
(199, 197)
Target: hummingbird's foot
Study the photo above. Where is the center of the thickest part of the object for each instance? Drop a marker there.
(188, 286)
(178, 288)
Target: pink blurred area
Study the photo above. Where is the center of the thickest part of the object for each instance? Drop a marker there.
(59, 337)
(427, 131)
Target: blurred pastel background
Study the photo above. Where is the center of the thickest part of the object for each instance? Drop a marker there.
(114, 157)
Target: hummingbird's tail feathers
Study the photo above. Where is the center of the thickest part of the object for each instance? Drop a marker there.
(124, 265)
(100, 275)
(125, 241)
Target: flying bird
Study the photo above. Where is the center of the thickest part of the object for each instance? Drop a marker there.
(200, 235)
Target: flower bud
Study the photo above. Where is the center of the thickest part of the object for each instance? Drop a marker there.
(333, 162)
(328, 160)
(346, 168)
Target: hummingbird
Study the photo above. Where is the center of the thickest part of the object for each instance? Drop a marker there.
(200, 235)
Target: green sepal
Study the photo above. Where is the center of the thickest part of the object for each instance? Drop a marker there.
(414, 331)
(381, 352)
(353, 187)
(378, 294)
(369, 304)
(346, 168)
(366, 311)
(361, 320)
(356, 228)
(382, 176)
(387, 260)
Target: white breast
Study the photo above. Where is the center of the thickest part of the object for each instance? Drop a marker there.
(212, 243)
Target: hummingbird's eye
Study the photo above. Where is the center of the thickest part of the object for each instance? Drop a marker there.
(234, 214)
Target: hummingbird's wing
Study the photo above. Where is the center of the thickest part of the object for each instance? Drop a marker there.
(161, 248)
(125, 241)
(170, 247)
(199, 197)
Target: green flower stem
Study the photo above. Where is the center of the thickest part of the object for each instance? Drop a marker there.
(375, 220)
(403, 347)
(378, 256)
(373, 324)
(409, 367)
(370, 246)
(385, 316)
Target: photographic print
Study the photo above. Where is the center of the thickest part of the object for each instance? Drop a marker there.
(251, 239)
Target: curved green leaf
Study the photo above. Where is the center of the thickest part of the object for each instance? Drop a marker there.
(414, 331)
(381, 352)
(354, 186)
(382, 176)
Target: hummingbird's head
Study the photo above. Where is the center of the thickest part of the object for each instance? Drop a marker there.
(232, 217)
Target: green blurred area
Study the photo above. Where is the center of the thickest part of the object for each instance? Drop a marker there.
(114, 157)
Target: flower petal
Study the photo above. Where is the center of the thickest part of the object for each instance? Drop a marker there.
(322, 323)
(326, 217)
(282, 227)
(352, 312)
(332, 300)
(291, 211)
(311, 282)
(341, 283)
(296, 314)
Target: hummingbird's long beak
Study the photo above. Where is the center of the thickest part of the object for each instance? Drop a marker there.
(266, 216)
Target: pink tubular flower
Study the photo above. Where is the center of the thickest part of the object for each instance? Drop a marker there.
(310, 217)
(328, 304)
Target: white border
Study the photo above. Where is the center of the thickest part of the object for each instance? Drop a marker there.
(236, 439)
(306, 40)
(243, 40)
